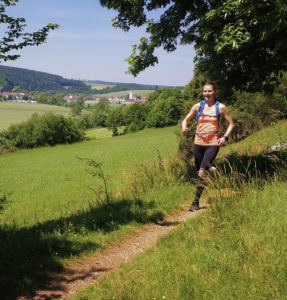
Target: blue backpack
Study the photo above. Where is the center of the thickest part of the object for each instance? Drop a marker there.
(201, 107)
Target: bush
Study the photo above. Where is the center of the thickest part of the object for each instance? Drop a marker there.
(135, 117)
(165, 112)
(252, 112)
(48, 129)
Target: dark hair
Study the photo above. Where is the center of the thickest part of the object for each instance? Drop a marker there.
(210, 83)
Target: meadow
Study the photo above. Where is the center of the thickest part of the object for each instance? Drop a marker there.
(44, 182)
(53, 215)
(234, 250)
(56, 210)
(98, 133)
(97, 86)
(11, 112)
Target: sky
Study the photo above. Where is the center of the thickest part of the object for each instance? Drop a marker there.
(86, 46)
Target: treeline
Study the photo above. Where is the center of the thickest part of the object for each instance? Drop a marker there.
(51, 98)
(18, 79)
(166, 107)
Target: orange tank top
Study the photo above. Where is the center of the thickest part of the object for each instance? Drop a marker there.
(206, 133)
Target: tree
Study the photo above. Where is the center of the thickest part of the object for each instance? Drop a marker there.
(238, 43)
(17, 89)
(77, 106)
(114, 121)
(15, 38)
(193, 90)
(166, 107)
(135, 117)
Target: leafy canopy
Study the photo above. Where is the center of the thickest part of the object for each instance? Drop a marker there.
(13, 37)
(241, 43)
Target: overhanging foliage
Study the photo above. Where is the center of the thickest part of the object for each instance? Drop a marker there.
(241, 43)
(13, 37)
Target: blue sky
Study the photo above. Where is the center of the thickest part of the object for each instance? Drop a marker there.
(86, 46)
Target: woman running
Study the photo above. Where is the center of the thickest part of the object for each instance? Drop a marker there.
(207, 140)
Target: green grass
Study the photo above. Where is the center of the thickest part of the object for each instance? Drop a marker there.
(98, 133)
(52, 216)
(11, 113)
(236, 250)
(97, 86)
(47, 183)
(259, 141)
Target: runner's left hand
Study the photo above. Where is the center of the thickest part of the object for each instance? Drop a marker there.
(221, 141)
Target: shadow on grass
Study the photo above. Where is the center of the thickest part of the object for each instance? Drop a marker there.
(29, 255)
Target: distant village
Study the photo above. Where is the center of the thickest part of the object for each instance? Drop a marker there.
(94, 99)
(16, 97)
(89, 100)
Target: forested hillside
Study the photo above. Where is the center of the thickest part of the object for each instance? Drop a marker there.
(27, 80)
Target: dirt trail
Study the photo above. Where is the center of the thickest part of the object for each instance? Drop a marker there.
(92, 269)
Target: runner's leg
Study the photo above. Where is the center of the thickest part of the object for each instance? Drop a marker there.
(204, 156)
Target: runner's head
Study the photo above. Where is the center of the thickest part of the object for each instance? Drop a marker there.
(209, 91)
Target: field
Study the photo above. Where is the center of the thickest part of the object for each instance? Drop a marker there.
(235, 250)
(52, 207)
(11, 113)
(43, 182)
(53, 216)
(97, 86)
(98, 133)
(126, 93)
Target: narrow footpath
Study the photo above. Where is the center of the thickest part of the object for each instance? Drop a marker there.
(93, 269)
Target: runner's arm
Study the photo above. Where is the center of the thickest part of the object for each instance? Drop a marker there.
(188, 118)
(230, 127)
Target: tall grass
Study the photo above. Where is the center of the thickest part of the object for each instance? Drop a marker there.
(51, 217)
(259, 141)
(236, 250)
(229, 252)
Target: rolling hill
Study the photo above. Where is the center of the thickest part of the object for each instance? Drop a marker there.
(29, 81)
(26, 80)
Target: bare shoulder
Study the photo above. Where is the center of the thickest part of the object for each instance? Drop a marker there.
(192, 111)
(196, 106)
(223, 108)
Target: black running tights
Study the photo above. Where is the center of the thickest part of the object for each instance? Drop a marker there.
(204, 156)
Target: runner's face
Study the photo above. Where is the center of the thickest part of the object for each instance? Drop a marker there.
(208, 92)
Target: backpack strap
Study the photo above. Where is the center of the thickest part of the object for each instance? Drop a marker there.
(201, 107)
(217, 109)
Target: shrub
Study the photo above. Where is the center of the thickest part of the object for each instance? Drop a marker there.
(48, 129)
(252, 112)
(165, 112)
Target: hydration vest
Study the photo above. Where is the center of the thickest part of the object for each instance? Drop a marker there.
(201, 107)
